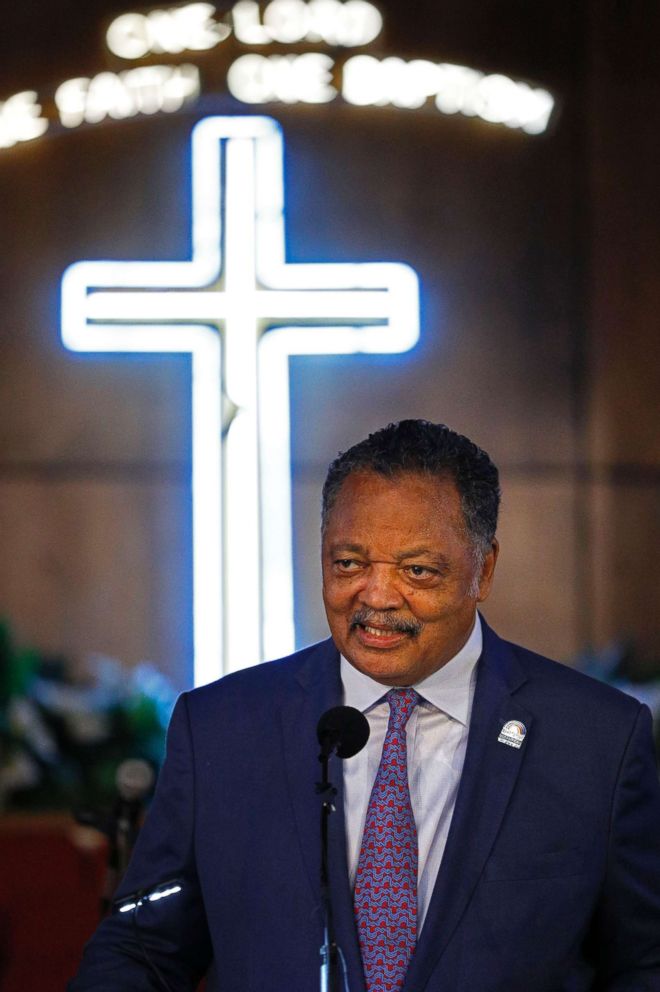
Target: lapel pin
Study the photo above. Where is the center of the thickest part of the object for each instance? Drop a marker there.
(512, 733)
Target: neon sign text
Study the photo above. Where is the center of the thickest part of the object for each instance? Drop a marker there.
(144, 90)
(193, 27)
(305, 78)
(368, 81)
(20, 119)
(277, 77)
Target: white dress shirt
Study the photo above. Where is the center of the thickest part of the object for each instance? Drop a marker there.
(436, 736)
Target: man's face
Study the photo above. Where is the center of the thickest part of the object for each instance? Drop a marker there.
(398, 575)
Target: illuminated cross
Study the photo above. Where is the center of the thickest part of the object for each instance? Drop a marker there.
(238, 282)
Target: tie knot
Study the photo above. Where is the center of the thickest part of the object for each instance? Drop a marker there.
(402, 703)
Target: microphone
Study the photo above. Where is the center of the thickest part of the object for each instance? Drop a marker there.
(134, 779)
(342, 730)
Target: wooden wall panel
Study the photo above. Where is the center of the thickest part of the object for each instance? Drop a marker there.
(98, 567)
(624, 300)
(626, 535)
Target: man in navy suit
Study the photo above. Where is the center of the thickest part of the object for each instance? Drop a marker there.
(531, 791)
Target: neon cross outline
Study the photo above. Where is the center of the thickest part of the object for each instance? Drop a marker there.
(270, 309)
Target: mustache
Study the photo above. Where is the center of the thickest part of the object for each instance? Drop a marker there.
(390, 621)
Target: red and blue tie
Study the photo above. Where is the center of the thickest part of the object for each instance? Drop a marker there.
(386, 880)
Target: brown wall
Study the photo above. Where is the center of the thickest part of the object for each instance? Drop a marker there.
(623, 307)
(535, 256)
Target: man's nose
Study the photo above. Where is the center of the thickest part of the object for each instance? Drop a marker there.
(380, 590)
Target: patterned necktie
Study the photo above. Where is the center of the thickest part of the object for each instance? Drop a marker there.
(386, 879)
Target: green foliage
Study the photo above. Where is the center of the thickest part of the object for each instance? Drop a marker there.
(61, 740)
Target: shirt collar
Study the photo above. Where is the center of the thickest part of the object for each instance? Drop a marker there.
(448, 689)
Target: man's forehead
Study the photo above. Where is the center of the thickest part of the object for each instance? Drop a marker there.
(400, 516)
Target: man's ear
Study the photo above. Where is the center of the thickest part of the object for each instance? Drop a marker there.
(488, 571)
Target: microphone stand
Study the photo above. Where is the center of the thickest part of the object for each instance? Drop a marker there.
(342, 730)
(329, 955)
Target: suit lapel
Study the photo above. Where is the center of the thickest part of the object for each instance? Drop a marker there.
(489, 775)
(319, 688)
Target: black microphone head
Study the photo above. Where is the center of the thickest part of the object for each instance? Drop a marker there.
(342, 729)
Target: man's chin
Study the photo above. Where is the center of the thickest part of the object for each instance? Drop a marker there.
(386, 664)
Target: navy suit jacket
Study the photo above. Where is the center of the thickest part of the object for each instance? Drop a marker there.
(550, 880)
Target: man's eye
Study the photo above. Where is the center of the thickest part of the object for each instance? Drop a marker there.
(419, 571)
(346, 564)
